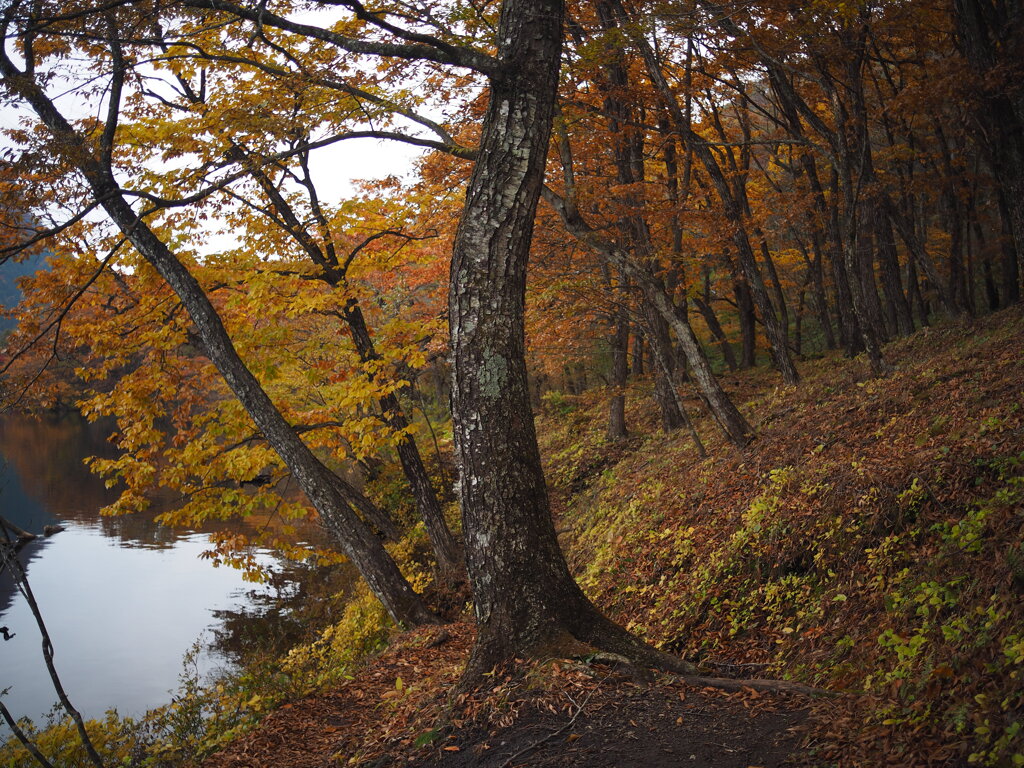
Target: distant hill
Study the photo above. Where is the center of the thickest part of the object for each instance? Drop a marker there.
(10, 294)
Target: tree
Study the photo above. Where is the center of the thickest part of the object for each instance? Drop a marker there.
(525, 598)
(94, 161)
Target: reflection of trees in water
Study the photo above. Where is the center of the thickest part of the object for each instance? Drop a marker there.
(303, 600)
(48, 454)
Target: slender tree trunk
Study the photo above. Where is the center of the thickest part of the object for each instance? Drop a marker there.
(818, 292)
(637, 368)
(661, 346)
(1010, 262)
(447, 549)
(711, 319)
(896, 301)
(619, 342)
(917, 295)
(869, 286)
(748, 324)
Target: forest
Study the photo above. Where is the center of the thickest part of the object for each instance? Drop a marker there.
(684, 353)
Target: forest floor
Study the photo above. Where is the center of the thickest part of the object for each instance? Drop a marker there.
(570, 713)
(870, 542)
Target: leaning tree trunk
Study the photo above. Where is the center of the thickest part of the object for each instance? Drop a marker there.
(320, 485)
(525, 599)
(447, 549)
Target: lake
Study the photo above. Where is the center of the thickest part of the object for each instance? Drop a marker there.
(123, 598)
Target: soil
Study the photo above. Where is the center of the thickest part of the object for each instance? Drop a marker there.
(655, 726)
(562, 714)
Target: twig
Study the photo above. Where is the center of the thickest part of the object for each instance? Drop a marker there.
(534, 745)
(33, 750)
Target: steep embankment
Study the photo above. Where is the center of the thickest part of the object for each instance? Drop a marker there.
(869, 540)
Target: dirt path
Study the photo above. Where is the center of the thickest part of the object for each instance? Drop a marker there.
(654, 726)
(566, 715)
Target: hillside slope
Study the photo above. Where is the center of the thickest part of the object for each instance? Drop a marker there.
(869, 541)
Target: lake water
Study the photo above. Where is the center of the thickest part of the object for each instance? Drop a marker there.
(123, 598)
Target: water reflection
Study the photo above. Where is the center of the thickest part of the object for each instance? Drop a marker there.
(124, 598)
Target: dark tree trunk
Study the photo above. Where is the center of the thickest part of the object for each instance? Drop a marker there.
(1009, 263)
(818, 292)
(868, 285)
(619, 343)
(748, 324)
(798, 324)
(895, 300)
(661, 346)
(525, 599)
(917, 295)
(711, 319)
(777, 292)
(637, 368)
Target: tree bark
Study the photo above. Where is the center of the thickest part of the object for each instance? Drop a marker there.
(525, 599)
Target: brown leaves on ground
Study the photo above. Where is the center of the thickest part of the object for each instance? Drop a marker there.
(397, 711)
(844, 466)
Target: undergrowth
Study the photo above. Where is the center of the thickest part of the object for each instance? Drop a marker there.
(868, 541)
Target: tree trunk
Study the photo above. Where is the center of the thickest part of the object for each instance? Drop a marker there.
(664, 355)
(620, 366)
(818, 291)
(637, 368)
(896, 301)
(748, 323)
(711, 319)
(525, 599)
(868, 285)
(1010, 261)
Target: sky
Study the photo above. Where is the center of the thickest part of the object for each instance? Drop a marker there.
(337, 169)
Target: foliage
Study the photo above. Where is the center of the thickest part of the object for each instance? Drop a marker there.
(879, 555)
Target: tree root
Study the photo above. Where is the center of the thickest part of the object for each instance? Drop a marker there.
(775, 686)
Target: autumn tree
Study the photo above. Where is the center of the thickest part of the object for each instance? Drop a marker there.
(525, 598)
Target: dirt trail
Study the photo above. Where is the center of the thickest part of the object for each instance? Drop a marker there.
(656, 726)
(565, 715)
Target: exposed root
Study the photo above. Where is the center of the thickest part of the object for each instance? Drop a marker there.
(777, 686)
